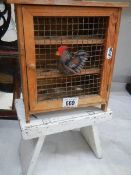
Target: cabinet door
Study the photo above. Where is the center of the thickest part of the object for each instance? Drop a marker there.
(48, 27)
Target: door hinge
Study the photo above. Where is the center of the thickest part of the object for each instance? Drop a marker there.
(116, 27)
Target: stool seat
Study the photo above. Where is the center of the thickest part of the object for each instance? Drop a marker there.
(49, 123)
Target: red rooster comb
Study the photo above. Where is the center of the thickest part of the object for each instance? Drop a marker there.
(61, 49)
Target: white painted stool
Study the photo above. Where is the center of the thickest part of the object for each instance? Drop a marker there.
(55, 122)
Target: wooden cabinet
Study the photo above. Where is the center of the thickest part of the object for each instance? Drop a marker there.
(42, 28)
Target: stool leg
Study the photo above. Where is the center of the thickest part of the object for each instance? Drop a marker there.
(91, 136)
(29, 163)
(35, 155)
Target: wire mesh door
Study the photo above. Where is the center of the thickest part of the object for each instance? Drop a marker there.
(78, 33)
(47, 84)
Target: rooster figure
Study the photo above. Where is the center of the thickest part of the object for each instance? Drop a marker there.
(71, 63)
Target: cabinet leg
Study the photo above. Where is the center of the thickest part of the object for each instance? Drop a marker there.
(91, 136)
(104, 107)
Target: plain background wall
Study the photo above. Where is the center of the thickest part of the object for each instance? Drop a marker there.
(122, 69)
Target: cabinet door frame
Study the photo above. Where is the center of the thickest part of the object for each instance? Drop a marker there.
(28, 12)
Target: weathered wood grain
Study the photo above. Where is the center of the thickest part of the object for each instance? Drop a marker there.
(54, 74)
(112, 37)
(71, 3)
(21, 43)
(42, 41)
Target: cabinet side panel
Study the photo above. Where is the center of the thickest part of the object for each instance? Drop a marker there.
(30, 56)
(117, 26)
(112, 37)
(21, 43)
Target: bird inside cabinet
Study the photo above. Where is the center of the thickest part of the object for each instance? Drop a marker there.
(71, 62)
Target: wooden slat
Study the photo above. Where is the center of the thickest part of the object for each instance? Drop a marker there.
(114, 22)
(112, 37)
(53, 105)
(53, 74)
(85, 40)
(71, 3)
(30, 56)
(21, 43)
(63, 11)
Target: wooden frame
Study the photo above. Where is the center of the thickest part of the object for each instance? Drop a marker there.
(71, 3)
(27, 49)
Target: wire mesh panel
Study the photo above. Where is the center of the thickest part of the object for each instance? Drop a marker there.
(47, 60)
(70, 26)
(54, 88)
(78, 33)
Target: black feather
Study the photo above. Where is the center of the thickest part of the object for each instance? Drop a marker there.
(68, 66)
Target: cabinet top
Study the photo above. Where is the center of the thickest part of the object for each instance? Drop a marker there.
(70, 3)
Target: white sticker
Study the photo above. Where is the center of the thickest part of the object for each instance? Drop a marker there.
(70, 102)
(109, 52)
